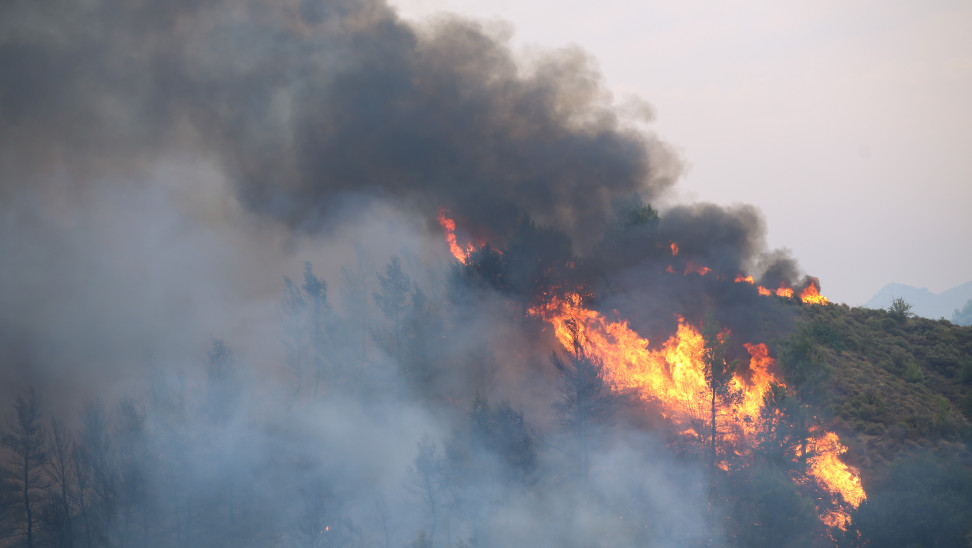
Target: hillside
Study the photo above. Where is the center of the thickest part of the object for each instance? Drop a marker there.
(898, 388)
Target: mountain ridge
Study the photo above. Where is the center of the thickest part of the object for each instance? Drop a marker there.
(924, 302)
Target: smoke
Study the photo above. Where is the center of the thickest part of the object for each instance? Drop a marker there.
(165, 165)
(306, 102)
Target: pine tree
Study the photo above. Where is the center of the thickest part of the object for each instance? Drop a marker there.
(26, 440)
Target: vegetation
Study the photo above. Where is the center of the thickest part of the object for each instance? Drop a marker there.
(899, 390)
(140, 471)
(963, 316)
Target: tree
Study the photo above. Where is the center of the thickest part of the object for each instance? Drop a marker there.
(803, 367)
(97, 475)
(392, 299)
(925, 499)
(963, 316)
(412, 326)
(294, 306)
(354, 299)
(586, 402)
(26, 439)
(306, 327)
(222, 388)
(133, 467)
(425, 481)
(61, 490)
(900, 309)
(718, 373)
(315, 290)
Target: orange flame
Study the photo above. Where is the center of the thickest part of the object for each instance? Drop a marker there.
(449, 226)
(811, 295)
(745, 279)
(833, 476)
(784, 291)
(672, 375)
(674, 249)
(763, 291)
(700, 270)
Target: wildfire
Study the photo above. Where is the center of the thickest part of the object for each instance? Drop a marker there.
(784, 291)
(811, 295)
(672, 375)
(690, 267)
(449, 226)
(834, 477)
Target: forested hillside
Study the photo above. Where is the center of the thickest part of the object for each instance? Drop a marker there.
(900, 388)
(211, 457)
(304, 273)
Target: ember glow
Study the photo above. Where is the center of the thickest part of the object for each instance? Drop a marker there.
(690, 268)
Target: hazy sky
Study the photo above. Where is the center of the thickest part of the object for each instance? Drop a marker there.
(849, 124)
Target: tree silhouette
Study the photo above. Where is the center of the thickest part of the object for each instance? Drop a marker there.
(392, 299)
(718, 373)
(61, 489)
(26, 440)
(586, 402)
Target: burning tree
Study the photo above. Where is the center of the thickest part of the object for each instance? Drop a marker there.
(718, 374)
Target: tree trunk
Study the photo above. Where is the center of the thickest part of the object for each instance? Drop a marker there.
(30, 519)
(712, 434)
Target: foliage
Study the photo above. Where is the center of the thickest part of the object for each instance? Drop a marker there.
(899, 309)
(963, 316)
(718, 372)
(894, 381)
(769, 510)
(25, 440)
(586, 403)
(924, 500)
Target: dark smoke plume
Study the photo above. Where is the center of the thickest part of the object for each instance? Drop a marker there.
(303, 103)
(165, 165)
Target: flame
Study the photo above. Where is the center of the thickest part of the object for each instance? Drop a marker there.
(834, 477)
(837, 517)
(700, 270)
(811, 295)
(672, 375)
(449, 226)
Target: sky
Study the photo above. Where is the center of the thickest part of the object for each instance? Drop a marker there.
(848, 124)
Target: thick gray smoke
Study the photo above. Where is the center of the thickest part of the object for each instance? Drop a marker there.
(303, 103)
(165, 166)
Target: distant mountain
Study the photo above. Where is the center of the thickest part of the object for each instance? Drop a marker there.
(924, 303)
